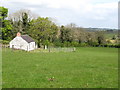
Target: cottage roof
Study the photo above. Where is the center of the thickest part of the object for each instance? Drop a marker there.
(27, 38)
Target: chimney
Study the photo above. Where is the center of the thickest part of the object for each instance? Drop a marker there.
(18, 34)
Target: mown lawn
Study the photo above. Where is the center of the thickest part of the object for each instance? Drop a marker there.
(86, 68)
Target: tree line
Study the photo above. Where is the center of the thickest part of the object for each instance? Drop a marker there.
(44, 31)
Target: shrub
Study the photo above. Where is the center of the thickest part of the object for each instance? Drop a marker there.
(66, 44)
(83, 44)
(5, 42)
(75, 44)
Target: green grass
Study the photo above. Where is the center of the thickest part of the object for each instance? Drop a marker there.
(110, 35)
(85, 68)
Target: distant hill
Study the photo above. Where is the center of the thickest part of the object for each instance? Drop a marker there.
(101, 29)
(109, 33)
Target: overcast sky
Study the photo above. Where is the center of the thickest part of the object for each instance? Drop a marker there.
(84, 13)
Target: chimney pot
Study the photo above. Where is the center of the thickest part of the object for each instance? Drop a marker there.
(18, 34)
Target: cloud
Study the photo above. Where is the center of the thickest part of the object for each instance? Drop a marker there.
(82, 12)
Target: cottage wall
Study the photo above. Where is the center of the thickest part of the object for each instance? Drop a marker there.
(31, 46)
(19, 43)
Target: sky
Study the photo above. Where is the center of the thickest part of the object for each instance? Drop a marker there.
(84, 13)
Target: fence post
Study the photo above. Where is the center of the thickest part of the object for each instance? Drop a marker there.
(74, 49)
(49, 49)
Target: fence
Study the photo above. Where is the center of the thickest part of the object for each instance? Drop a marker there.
(4, 45)
(60, 49)
(50, 49)
(55, 49)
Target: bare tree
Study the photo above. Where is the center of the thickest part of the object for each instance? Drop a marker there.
(71, 25)
(20, 20)
(18, 15)
(100, 37)
(79, 35)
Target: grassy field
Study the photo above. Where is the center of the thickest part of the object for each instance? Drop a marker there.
(110, 35)
(85, 68)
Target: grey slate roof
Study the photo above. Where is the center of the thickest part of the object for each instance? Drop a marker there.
(27, 38)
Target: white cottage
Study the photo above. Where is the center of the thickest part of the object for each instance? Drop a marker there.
(23, 42)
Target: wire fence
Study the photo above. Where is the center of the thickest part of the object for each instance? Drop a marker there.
(4, 45)
(55, 49)
(62, 49)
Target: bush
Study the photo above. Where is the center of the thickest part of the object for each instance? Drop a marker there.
(0, 41)
(83, 44)
(5, 42)
(66, 44)
(94, 44)
(58, 43)
(75, 44)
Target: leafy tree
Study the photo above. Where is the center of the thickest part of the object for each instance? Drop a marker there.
(6, 27)
(21, 20)
(42, 29)
(100, 37)
(6, 30)
(53, 34)
(62, 29)
(66, 34)
(3, 13)
(25, 22)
